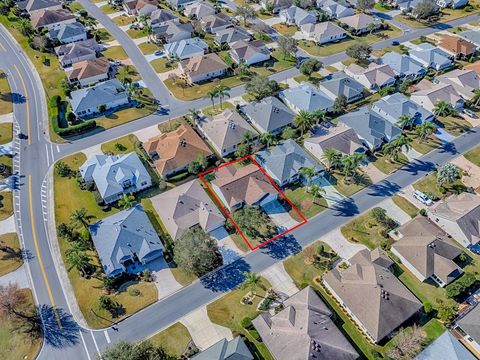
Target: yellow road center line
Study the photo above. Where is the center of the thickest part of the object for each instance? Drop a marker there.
(26, 103)
(40, 262)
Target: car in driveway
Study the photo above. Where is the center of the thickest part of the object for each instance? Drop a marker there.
(159, 53)
(424, 199)
(470, 113)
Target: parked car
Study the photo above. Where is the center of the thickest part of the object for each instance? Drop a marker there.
(470, 113)
(133, 26)
(159, 53)
(395, 43)
(424, 199)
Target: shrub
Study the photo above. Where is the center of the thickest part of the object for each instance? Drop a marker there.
(427, 307)
(423, 212)
(246, 323)
(78, 129)
(255, 335)
(134, 292)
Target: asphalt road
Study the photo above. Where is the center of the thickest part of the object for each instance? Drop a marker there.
(35, 155)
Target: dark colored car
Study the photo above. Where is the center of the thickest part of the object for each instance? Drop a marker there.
(395, 43)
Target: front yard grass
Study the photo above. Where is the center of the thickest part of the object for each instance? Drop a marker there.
(473, 155)
(454, 125)
(364, 230)
(303, 201)
(160, 65)
(285, 29)
(174, 339)
(6, 132)
(135, 33)
(349, 188)
(10, 262)
(229, 312)
(104, 36)
(198, 91)
(424, 146)
(405, 205)
(109, 9)
(123, 20)
(387, 165)
(429, 185)
(6, 205)
(115, 52)
(149, 47)
(6, 105)
(215, 110)
(123, 145)
(314, 78)
(7, 161)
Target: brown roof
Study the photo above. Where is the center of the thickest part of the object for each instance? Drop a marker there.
(457, 45)
(475, 67)
(46, 17)
(202, 64)
(246, 49)
(247, 184)
(89, 68)
(176, 149)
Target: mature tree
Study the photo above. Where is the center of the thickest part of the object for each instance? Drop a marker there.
(407, 343)
(143, 19)
(126, 201)
(194, 114)
(77, 258)
(80, 217)
(371, 27)
(310, 66)
(319, 115)
(125, 73)
(107, 303)
(308, 173)
(447, 174)
(135, 351)
(442, 108)
(304, 121)
(242, 68)
(253, 222)
(212, 94)
(246, 12)
(406, 121)
(267, 138)
(365, 5)
(394, 147)
(62, 169)
(351, 162)
(199, 164)
(332, 158)
(425, 130)
(316, 191)
(360, 52)
(446, 310)
(222, 92)
(261, 86)
(131, 89)
(287, 46)
(252, 281)
(149, 31)
(289, 133)
(248, 137)
(340, 104)
(425, 10)
(476, 96)
(243, 150)
(196, 252)
(25, 27)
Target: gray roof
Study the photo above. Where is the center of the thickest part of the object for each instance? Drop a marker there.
(470, 323)
(307, 97)
(110, 172)
(77, 49)
(226, 350)
(334, 9)
(199, 9)
(66, 31)
(187, 47)
(445, 347)
(160, 16)
(471, 35)
(297, 15)
(339, 137)
(123, 234)
(392, 107)
(370, 126)
(231, 35)
(32, 5)
(402, 64)
(285, 160)
(171, 30)
(340, 84)
(102, 93)
(270, 113)
(304, 330)
(430, 54)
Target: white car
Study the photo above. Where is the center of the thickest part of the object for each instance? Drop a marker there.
(424, 199)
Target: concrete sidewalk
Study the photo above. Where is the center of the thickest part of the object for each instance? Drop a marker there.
(18, 276)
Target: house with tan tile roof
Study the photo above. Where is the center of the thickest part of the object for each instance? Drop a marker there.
(465, 82)
(199, 9)
(252, 52)
(239, 186)
(323, 32)
(89, 72)
(186, 206)
(202, 68)
(140, 7)
(429, 94)
(359, 23)
(51, 19)
(457, 46)
(215, 22)
(374, 77)
(172, 152)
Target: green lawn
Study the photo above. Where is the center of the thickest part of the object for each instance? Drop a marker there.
(12, 259)
(455, 126)
(314, 78)
(303, 201)
(424, 146)
(405, 205)
(174, 339)
(121, 145)
(215, 110)
(135, 33)
(6, 105)
(75, 6)
(115, 53)
(149, 47)
(160, 65)
(198, 91)
(365, 230)
(348, 188)
(429, 185)
(6, 205)
(6, 132)
(285, 29)
(109, 9)
(473, 156)
(123, 20)
(382, 8)
(15, 342)
(229, 312)
(387, 165)
(104, 36)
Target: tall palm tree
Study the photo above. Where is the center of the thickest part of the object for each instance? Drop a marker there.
(143, 19)
(304, 121)
(405, 121)
(131, 89)
(442, 108)
(194, 114)
(476, 96)
(267, 138)
(80, 217)
(424, 130)
(252, 280)
(351, 162)
(148, 30)
(213, 95)
(332, 157)
(316, 191)
(78, 259)
(308, 173)
(222, 92)
(126, 201)
(25, 27)
(248, 137)
(394, 147)
(242, 67)
(319, 115)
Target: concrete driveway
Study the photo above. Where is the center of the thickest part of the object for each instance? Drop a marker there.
(279, 216)
(407, 193)
(272, 21)
(443, 135)
(203, 331)
(331, 193)
(344, 248)
(281, 282)
(8, 225)
(473, 171)
(163, 278)
(395, 212)
(230, 252)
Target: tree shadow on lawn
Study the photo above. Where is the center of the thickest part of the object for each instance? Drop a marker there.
(226, 278)
(55, 336)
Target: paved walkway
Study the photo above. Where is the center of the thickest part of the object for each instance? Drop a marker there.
(230, 252)
(280, 217)
(394, 211)
(444, 136)
(8, 225)
(18, 276)
(280, 280)
(203, 331)
(473, 171)
(331, 193)
(6, 118)
(147, 133)
(412, 154)
(344, 248)
(372, 171)
(93, 150)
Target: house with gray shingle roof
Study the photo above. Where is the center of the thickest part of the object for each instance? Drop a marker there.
(86, 102)
(284, 162)
(359, 23)
(370, 127)
(295, 15)
(215, 22)
(68, 33)
(172, 31)
(306, 97)
(126, 241)
(186, 48)
(116, 175)
(72, 53)
(374, 77)
(199, 9)
(465, 82)
(160, 17)
(232, 35)
(323, 32)
(469, 327)
(403, 65)
(251, 52)
(472, 36)
(276, 4)
(338, 84)
(392, 107)
(303, 330)
(335, 9)
(431, 56)
(445, 347)
(226, 350)
(268, 115)
(429, 94)
(36, 5)
(180, 4)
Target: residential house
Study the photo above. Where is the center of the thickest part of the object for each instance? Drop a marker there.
(468, 326)
(268, 115)
(374, 77)
(465, 82)
(339, 137)
(186, 206)
(431, 56)
(446, 346)
(276, 5)
(392, 107)
(160, 17)
(323, 33)
(338, 84)
(51, 19)
(68, 33)
(306, 97)
(116, 175)
(140, 7)
(403, 66)
(471, 35)
(370, 127)
(251, 52)
(172, 32)
(369, 280)
(86, 102)
(216, 22)
(459, 217)
(304, 329)
(359, 23)
(457, 46)
(126, 242)
(406, 5)
(231, 35)
(180, 4)
(454, 4)
(429, 94)
(426, 251)
(203, 68)
(199, 9)
(295, 15)
(283, 163)
(334, 9)
(72, 53)
(32, 6)
(246, 185)
(474, 66)
(225, 131)
(90, 72)
(226, 350)
(171, 152)
(186, 48)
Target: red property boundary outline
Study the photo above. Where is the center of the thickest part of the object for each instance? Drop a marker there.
(225, 211)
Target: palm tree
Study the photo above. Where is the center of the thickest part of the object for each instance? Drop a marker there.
(319, 115)
(476, 96)
(424, 130)
(131, 89)
(248, 137)
(126, 201)
(148, 30)
(143, 19)
(394, 148)
(304, 121)
(213, 95)
(267, 138)
(252, 280)
(442, 108)
(78, 259)
(316, 191)
(194, 113)
(222, 92)
(405, 121)
(80, 217)
(242, 67)
(371, 27)
(25, 27)
(351, 162)
(333, 158)
(308, 173)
